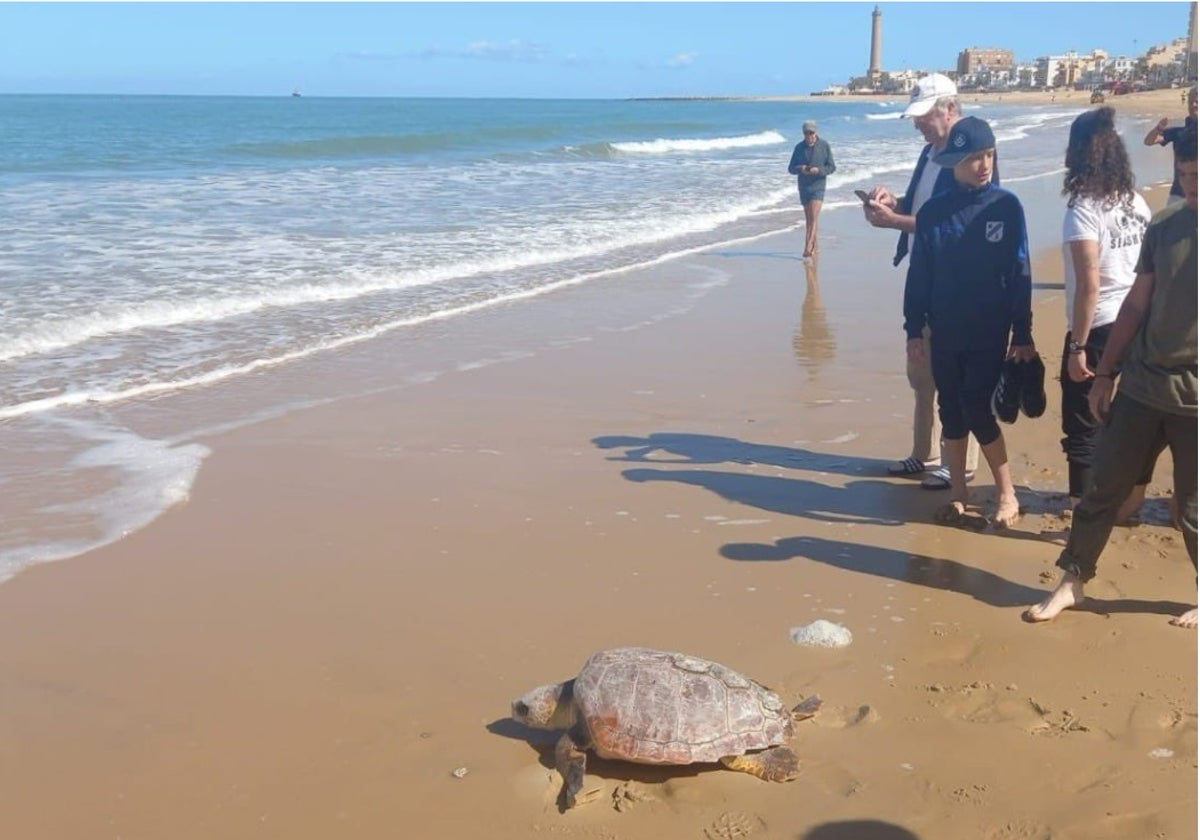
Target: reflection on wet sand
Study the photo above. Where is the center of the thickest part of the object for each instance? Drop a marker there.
(814, 339)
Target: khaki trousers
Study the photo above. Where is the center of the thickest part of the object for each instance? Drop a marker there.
(926, 427)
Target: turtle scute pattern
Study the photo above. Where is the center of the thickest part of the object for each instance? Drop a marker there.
(657, 707)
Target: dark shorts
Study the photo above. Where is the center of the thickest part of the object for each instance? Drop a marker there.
(965, 379)
(812, 192)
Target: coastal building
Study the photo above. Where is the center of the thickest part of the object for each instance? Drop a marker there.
(1121, 68)
(1092, 71)
(996, 68)
(974, 59)
(1164, 64)
(1078, 71)
(1048, 70)
(1189, 71)
(985, 68)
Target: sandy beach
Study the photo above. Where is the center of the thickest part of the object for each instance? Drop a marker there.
(1162, 102)
(339, 616)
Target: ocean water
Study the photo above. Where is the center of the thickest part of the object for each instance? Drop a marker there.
(156, 247)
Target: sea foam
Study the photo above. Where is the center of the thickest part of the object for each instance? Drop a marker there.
(666, 146)
(822, 633)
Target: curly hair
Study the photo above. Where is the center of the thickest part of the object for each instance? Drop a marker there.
(1097, 161)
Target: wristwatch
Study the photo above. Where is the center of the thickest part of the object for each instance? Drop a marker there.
(1074, 346)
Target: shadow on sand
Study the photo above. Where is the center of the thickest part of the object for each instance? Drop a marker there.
(948, 575)
(1117, 606)
(861, 502)
(859, 830)
(685, 448)
(543, 741)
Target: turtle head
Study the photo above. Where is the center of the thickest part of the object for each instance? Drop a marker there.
(546, 707)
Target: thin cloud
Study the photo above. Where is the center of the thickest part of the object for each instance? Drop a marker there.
(367, 55)
(683, 59)
(573, 60)
(515, 50)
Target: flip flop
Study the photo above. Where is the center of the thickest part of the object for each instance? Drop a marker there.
(1006, 399)
(1033, 388)
(939, 479)
(909, 466)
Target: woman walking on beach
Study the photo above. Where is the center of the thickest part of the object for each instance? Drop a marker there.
(812, 161)
(1102, 236)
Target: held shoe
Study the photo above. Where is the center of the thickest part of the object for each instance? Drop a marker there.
(1006, 399)
(1033, 388)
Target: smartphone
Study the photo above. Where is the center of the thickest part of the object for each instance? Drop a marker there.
(864, 196)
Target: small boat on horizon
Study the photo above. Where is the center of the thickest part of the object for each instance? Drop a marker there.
(295, 91)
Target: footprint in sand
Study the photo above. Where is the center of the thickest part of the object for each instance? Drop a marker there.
(1162, 726)
(1055, 723)
(982, 702)
(1019, 830)
(1121, 827)
(628, 794)
(733, 825)
(843, 717)
(970, 794)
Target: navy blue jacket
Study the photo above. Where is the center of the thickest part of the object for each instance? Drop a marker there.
(819, 155)
(945, 180)
(969, 276)
(1168, 138)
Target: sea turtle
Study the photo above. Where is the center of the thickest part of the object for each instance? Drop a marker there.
(658, 707)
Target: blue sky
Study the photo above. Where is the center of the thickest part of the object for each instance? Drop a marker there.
(588, 50)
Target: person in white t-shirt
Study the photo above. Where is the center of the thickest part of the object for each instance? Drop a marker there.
(1102, 236)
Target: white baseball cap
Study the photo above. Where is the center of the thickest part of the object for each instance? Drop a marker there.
(928, 90)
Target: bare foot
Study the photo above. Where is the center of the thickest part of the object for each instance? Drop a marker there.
(950, 513)
(1068, 593)
(1008, 511)
(1188, 620)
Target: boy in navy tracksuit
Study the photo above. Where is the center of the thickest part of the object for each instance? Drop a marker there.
(969, 280)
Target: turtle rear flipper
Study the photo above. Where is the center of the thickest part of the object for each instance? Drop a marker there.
(807, 707)
(778, 764)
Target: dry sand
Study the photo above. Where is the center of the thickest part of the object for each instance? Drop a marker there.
(339, 617)
(1163, 102)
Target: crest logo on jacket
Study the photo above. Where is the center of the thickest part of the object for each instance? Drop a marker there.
(993, 231)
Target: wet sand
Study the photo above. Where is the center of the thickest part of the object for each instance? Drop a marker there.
(338, 618)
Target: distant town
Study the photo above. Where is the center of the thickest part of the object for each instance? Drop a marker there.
(994, 69)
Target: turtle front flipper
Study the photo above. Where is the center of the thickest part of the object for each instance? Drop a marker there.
(778, 764)
(570, 757)
(807, 707)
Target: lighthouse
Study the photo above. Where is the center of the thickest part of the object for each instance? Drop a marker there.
(874, 71)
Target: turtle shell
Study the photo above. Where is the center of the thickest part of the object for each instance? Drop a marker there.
(658, 707)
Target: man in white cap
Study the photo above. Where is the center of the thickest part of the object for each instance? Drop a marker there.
(933, 108)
